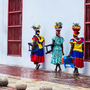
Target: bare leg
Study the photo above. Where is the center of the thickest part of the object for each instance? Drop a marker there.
(37, 65)
(56, 68)
(59, 68)
(76, 71)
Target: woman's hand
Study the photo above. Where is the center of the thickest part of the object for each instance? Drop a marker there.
(71, 49)
(32, 47)
(69, 55)
(62, 53)
(33, 44)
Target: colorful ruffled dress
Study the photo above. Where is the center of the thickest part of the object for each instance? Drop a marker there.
(38, 57)
(57, 50)
(77, 52)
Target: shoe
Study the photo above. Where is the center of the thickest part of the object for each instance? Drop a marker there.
(38, 66)
(75, 73)
(59, 71)
(55, 70)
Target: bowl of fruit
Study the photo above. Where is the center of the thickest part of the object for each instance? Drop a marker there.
(76, 27)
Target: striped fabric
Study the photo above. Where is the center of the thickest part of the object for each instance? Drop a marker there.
(77, 52)
(78, 59)
(38, 57)
(81, 41)
(39, 40)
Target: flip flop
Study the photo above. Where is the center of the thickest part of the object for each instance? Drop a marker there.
(59, 71)
(55, 70)
(38, 66)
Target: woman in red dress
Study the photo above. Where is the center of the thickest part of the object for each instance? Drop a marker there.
(37, 56)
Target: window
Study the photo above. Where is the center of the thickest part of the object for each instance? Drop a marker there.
(14, 28)
(87, 31)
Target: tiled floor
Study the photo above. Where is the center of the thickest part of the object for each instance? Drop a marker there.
(45, 76)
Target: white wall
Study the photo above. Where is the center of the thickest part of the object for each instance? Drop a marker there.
(1, 11)
(45, 13)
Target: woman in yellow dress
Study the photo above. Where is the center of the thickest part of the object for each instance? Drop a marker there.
(77, 48)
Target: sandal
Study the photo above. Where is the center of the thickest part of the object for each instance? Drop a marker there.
(75, 73)
(59, 71)
(55, 70)
(38, 66)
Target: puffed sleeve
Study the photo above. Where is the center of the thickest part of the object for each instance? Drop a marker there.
(53, 38)
(62, 39)
(82, 40)
(72, 40)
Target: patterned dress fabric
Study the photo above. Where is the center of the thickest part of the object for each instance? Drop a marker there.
(57, 50)
(77, 52)
(38, 57)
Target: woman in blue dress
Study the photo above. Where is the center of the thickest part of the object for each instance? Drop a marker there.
(57, 42)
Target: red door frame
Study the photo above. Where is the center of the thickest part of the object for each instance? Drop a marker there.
(21, 11)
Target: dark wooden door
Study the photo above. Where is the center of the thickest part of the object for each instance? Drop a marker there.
(87, 31)
(14, 42)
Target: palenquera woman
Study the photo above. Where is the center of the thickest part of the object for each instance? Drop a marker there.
(37, 56)
(57, 42)
(77, 48)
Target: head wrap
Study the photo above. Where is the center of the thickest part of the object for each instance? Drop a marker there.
(76, 33)
(37, 32)
(58, 27)
(58, 32)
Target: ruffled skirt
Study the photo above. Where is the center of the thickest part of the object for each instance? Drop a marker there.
(78, 59)
(38, 57)
(56, 57)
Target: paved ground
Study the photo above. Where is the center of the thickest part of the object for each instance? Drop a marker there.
(36, 78)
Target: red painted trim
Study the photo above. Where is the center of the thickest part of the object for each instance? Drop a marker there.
(14, 55)
(16, 26)
(8, 27)
(21, 28)
(87, 4)
(87, 22)
(87, 41)
(15, 12)
(86, 60)
(84, 28)
(14, 40)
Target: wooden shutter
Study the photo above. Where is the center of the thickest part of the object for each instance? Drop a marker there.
(87, 31)
(14, 28)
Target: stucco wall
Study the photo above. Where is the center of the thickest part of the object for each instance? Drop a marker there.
(45, 13)
(1, 10)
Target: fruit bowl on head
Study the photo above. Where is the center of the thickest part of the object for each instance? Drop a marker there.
(75, 29)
